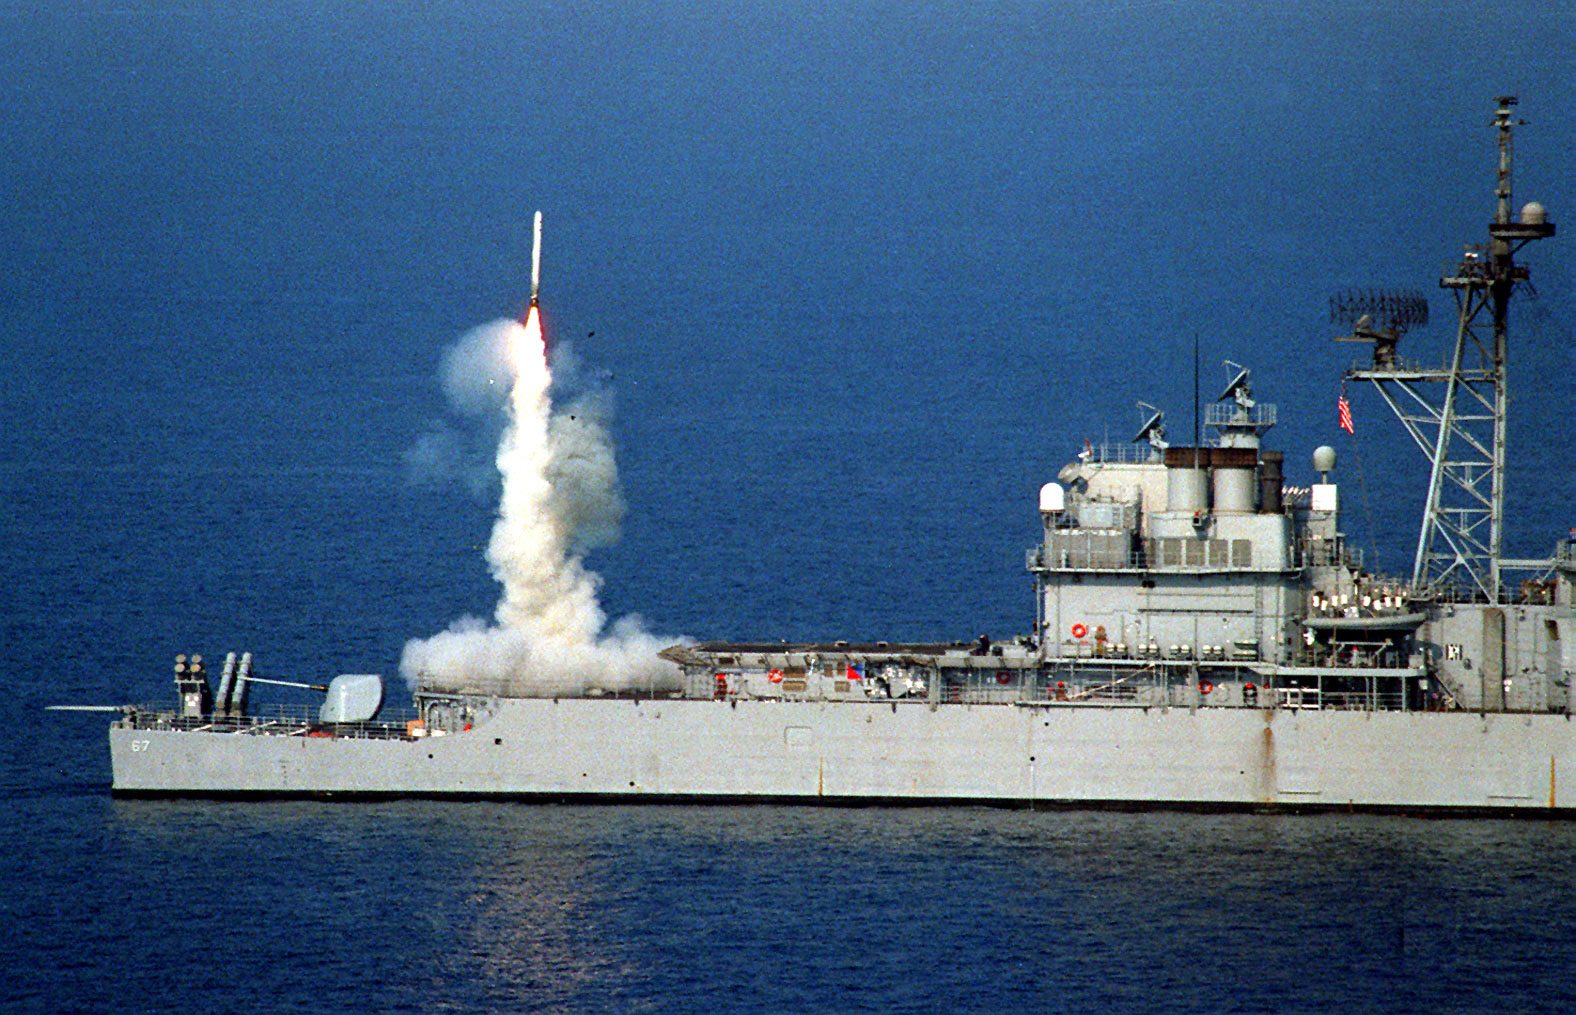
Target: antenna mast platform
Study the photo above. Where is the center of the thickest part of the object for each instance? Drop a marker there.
(1461, 429)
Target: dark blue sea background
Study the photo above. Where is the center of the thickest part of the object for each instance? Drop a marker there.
(861, 277)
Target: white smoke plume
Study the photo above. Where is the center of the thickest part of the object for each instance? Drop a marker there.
(560, 497)
(476, 378)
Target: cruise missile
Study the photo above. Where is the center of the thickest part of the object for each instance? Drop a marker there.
(536, 258)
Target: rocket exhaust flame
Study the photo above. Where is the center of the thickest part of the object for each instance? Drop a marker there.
(560, 491)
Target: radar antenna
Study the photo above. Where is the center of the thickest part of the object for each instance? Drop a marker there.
(1380, 316)
(1240, 388)
(1462, 431)
(1241, 423)
(1153, 430)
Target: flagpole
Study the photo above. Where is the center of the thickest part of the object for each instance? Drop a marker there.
(1344, 409)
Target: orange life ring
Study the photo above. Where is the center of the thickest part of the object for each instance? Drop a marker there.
(775, 676)
(1205, 687)
(1079, 630)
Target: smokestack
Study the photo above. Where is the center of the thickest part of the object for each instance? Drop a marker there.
(1270, 481)
(1187, 479)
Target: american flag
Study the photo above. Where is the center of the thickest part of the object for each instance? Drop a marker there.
(1344, 408)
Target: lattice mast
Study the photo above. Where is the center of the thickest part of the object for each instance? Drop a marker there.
(1462, 433)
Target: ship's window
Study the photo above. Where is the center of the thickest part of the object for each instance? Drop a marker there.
(1554, 629)
(1217, 553)
(498, 741)
(1241, 553)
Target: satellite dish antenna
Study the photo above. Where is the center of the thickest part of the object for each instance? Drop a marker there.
(1154, 428)
(1239, 388)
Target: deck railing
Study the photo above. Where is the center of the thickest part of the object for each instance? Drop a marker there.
(278, 720)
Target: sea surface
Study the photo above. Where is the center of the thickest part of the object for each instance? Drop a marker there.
(858, 278)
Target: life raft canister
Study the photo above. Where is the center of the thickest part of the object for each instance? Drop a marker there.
(1079, 630)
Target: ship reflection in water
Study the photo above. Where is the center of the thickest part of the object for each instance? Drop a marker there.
(427, 905)
(526, 918)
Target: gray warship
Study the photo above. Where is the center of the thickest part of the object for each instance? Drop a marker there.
(1203, 637)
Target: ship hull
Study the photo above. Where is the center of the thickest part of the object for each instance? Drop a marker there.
(819, 752)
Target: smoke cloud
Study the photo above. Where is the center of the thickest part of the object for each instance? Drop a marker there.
(560, 497)
(476, 379)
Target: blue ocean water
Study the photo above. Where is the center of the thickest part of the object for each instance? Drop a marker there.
(861, 277)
